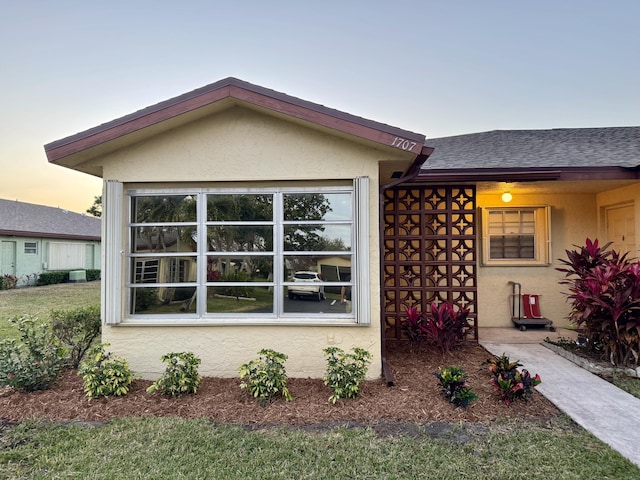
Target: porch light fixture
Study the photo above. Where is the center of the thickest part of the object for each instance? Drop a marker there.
(507, 197)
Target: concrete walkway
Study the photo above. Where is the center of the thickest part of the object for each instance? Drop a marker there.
(609, 413)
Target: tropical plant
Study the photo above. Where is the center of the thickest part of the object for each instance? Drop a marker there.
(345, 371)
(443, 326)
(511, 383)
(34, 361)
(411, 327)
(8, 282)
(104, 375)
(453, 384)
(266, 377)
(604, 291)
(180, 376)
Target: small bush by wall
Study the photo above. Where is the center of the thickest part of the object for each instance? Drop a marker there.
(76, 329)
(62, 276)
(93, 274)
(51, 278)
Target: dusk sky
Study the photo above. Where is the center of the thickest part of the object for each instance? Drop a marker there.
(438, 68)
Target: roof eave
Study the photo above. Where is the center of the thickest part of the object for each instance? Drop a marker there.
(62, 236)
(528, 174)
(239, 92)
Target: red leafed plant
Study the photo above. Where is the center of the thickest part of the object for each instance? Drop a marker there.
(511, 383)
(443, 326)
(411, 327)
(604, 291)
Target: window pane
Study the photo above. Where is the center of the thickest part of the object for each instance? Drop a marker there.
(163, 300)
(306, 291)
(317, 206)
(163, 270)
(313, 263)
(164, 209)
(235, 238)
(311, 304)
(230, 268)
(317, 238)
(163, 239)
(239, 207)
(245, 298)
(510, 247)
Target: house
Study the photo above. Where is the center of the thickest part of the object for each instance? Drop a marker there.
(214, 199)
(502, 207)
(36, 239)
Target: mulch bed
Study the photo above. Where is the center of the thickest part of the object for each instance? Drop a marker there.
(415, 398)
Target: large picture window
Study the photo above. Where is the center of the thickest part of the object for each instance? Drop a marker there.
(249, 255)
(516, 236)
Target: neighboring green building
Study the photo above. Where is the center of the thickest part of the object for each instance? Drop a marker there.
(36, 239)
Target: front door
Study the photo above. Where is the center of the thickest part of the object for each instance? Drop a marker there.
(8, 258)
(621, 229)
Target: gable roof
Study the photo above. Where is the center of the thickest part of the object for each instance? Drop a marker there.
(612, 152)
(75, 149)
(31, 220)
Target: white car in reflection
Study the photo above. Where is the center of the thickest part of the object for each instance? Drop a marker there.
(305, 286)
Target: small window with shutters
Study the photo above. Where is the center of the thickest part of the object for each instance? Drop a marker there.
(516, 236)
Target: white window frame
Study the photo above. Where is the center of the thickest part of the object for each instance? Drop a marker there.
(30, 248)
(360, 314)
(542, 236)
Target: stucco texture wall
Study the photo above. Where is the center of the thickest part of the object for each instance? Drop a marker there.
(243, 145)
(573, 219)
(224, 348)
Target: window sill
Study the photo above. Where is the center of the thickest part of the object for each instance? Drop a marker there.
(233, 322)
(515, 264)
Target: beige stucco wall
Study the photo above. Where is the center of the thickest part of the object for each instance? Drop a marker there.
(573, 219)
(242, 145)
(620, 196)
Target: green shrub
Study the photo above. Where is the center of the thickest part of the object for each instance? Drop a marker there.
(180, 376)
(76, 329)
(33, 362)
(265, 377)
(345, 371)
(145, 298)
(52, 278)
(93, 274)
(453, 383)
(103, 375)
(237, 290)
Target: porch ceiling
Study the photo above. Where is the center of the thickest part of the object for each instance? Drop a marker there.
(548, 187)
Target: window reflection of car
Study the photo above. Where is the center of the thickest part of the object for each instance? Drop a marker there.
(304, 286)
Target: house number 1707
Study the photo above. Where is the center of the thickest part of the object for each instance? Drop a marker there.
(403, 143)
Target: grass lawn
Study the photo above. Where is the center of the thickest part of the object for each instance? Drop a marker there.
(628, 384)
(40, 301)
(178, 448)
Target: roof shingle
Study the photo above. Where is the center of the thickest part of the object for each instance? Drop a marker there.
(28, 219)
(555, 148)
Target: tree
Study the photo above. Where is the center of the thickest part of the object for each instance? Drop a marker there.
(96, 208)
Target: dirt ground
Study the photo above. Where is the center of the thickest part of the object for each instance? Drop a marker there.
(414, 399)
